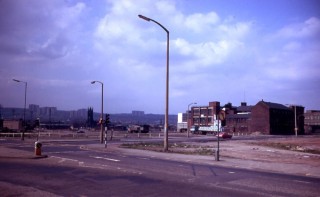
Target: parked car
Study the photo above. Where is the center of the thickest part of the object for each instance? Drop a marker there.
(225, 135)
(81, 131)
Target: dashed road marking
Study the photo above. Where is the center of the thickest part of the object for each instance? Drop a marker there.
(144, 158)
(105, 158)
(302, 181)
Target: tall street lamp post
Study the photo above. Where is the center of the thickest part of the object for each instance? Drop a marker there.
(167, 83)
(101, 118)
(25, 103)
(188, 128)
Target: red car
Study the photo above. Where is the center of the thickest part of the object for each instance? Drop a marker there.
(224, 135)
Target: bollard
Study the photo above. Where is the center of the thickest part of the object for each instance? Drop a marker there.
(37, 147)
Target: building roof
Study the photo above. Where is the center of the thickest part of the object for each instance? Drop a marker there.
(244, 108)
(275, 105)
(232, 116)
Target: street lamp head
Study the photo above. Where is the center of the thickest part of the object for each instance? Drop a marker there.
(92, 82)
(144, 17)
(16, 80)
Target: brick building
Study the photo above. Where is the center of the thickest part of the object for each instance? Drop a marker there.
(237, 118)
(276, 119)
(204, 116)
(312, 121)
(271, 118)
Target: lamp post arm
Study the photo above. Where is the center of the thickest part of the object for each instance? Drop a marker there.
(165, 29)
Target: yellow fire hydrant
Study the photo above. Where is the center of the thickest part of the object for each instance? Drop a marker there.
(37, 148)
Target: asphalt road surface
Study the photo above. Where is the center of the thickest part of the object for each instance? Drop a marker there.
(72, 171)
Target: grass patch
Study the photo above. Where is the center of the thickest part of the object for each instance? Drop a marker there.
(287, 146)
(173, 148)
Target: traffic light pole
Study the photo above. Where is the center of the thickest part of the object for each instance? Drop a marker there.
(218, 146)
(106, 123)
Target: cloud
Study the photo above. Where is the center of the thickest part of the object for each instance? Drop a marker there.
(204, 54)
(68, 16)
(308, 28)
(38, 29)
(119, 28)
(297, 58)
(200, 23)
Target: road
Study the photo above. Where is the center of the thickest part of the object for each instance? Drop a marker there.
(74, 171)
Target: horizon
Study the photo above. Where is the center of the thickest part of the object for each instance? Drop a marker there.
(150, 113)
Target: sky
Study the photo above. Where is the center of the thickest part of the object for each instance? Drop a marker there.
(227, 51)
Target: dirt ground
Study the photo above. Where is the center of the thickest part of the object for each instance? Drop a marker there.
(301, 150)
(290, 149)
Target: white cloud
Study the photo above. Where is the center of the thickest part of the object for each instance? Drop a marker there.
(310, 27)
(207, 53)
(67, 16)
(235, 31)
(200, 23)
(293, 52)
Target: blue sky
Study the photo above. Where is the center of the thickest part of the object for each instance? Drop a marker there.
(227, 51)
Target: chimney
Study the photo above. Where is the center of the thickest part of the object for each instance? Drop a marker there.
(243, 104)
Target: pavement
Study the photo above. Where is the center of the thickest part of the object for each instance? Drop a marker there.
(236, 154)
(11, 153)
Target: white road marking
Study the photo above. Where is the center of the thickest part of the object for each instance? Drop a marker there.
(143, 158)
(302, 181)
(62, 159)
(105, 158)
(231, 172)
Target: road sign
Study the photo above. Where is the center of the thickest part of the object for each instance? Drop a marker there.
(222, 115)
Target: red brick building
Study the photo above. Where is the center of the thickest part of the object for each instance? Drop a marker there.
(271, 118)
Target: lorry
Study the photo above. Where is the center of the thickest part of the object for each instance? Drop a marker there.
(206, 129)
(138, 128)
(182, 127)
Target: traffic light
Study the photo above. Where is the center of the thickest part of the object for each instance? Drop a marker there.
(107, 119)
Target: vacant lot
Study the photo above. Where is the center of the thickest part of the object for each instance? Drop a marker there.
(288, 149)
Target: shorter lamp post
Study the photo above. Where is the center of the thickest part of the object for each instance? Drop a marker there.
(188, 128)
(101, 118)
(295, 121)
(25, 103)
(295, 118)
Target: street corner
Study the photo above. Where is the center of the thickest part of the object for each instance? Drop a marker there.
(39, 157)
(11, 153)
